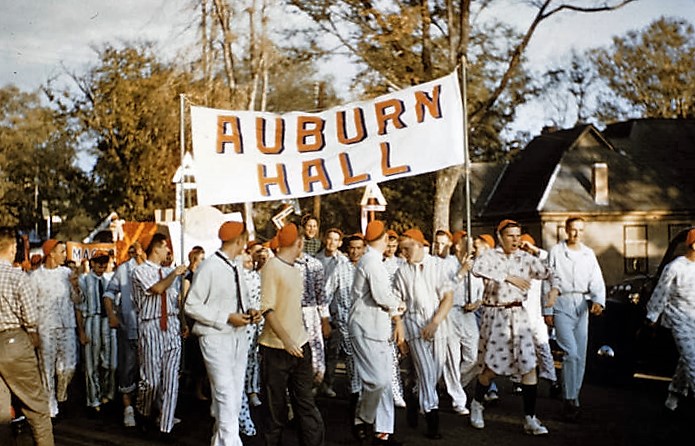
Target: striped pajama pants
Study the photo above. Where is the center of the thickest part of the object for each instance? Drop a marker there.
(100, 360)
(429, 358)
(159, 354)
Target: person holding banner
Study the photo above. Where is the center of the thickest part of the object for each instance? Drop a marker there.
(374, 309)
(155, 294)
(218, 302)
(286, 355)
(57, 295)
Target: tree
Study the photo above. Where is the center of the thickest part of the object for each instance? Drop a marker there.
(650, 72)
(128, 112)
(406, 42)
(37, 150)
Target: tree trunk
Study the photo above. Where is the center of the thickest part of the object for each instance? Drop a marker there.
(446, 185)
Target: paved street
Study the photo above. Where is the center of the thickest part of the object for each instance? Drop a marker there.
(629, 415)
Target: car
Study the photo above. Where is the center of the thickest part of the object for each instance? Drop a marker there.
(621, 346)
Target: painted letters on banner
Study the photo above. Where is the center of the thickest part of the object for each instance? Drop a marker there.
(243, 156)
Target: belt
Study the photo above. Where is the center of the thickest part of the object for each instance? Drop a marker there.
(506, 306)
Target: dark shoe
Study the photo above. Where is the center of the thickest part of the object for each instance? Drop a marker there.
(391, 441)
(412, 407)
(361, 431)
(570, 410)
(167, 438)
(432, 418)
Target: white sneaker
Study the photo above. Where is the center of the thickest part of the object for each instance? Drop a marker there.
(129, 417)
(254, 400)
(462, 410)
(534, 427)
(671, 402)
(477, 420)
(398, 401)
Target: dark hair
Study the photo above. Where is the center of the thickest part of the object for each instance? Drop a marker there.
(157, 239)
(194, 252)
(308, 217)
(572, 219)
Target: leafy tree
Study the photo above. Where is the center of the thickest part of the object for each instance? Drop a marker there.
(128, 112)
(406, 42)
(650, 72)
(37, 150)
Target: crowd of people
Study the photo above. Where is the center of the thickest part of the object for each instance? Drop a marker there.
(266, 324)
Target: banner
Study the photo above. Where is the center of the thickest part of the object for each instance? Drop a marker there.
(78, 251)
(242, 156)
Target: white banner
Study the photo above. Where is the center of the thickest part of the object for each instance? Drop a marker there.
(243, 156)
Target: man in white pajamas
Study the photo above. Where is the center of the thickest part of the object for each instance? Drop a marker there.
(423, 286)
(155, 295)
(374, 308)
(218, 302)
(582, 291)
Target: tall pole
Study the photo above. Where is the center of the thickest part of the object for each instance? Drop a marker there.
(182, 192)
(466, 166)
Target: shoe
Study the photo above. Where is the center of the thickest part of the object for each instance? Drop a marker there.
(671, 402)
(398, 401)
(462, 410)
(167, 438)
(129, 417)
(570, 410)
(491, 396)
(432, 418)
(328, 391)
(534, 427)
(477, 420)
(411, 412)
(254, 400)
(361, 431)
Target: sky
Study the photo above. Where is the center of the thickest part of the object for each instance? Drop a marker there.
(41, 39)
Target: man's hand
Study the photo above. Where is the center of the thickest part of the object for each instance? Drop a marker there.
(238, 319)
(398, 332)
(549, 320)
(326, 328)
(472, 306)
(84, 339)
(256, 316)
(185, 331)
(180, 270)
(113, 321)
(519, 282)
(35, 339)
(293, 349)
(551, 297)
(428, 332)
(596, 309)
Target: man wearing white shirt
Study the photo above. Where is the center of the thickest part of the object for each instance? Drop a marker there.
(218, 302)
(582, 291)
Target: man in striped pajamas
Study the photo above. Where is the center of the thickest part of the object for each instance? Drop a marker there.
(428, 295)
(155, 294)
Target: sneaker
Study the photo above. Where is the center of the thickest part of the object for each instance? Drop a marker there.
(129, 417)
(254, 400)
(491, 396)
(397, 401)
(534, 427)
(328, 391)
(477, 420)
(671, 402)
(461, 410)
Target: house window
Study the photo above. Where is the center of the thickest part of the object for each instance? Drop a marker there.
(636, 260)
(674, 229)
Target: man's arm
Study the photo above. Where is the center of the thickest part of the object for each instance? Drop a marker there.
(445, 305)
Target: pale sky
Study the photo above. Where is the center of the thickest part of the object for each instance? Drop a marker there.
(40, 37)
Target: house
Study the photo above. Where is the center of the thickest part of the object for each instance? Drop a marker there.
(634, 183)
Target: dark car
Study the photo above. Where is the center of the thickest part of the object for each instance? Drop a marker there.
(621, 347)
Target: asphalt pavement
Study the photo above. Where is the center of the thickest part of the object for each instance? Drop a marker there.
(629, 414)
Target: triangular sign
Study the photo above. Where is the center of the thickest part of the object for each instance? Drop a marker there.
(372, 191)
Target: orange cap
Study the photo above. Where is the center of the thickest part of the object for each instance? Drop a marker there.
(392, 233)
(445, 232)
(487, 238)
(48, 246)
(690, 239)
(506, 223)
(273, 243)
(230, 230)
(375, 229)
(416, 235)
(287, 235)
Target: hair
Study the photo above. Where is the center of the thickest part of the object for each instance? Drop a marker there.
(157, 239)
(101, 260)
(353, 237)
(572, 219)
(8, 237)
(308, 217)
(334, 230)
(194, 252)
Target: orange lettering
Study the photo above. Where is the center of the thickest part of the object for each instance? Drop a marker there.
(422, 100)
(320, 175)
(264, 181)
(383, 116)
(386, 169)
(358, 115)
(315, 132)
(279, 136)
(347, 171)
(233, 137)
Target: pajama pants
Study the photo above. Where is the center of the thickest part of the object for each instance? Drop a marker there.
(374, 367)
(225, 358)
(683, 330)
(58, 360)
(160, 359)
(100, 360)
(462, 355)
(429, 358)
(312, 323)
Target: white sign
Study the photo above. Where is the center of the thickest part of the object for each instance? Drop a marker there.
(243, 156)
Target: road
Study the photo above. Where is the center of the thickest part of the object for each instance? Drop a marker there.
(632, 414)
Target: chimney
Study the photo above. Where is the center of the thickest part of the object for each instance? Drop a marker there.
(599, 183)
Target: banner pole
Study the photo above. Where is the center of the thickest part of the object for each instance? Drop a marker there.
(182, 191)
(467, 164)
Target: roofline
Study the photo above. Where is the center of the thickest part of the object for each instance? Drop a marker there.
(548, 187)
(494, 188)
